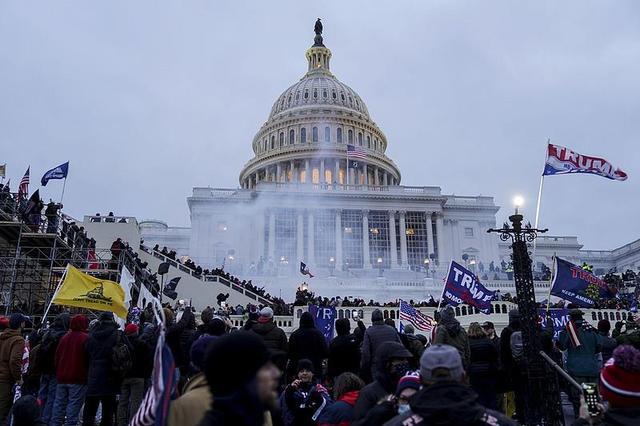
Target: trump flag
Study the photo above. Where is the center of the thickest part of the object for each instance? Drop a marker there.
(58, 172)
(561, 160)
(572, 283)
(324, 318)
(462, 286)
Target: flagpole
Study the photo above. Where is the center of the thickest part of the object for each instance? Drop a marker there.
(63, 186)
(553, 271)
(533, 252)
(347, 183)
(44, 317)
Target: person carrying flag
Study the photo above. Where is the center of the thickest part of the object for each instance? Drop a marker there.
(582, 342)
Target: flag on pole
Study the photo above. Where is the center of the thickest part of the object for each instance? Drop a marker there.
(3, 170)
(23, 187)
(145, 297)
(413, 316)
(127, 281)
(571, 282)
(462, 286)
(561, 160)
(304, 270)
(573, 334)
(169, 290)
(84, 291)
(355, 153)
(58, 172)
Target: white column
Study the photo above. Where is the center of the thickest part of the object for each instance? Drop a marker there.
(322, 171)
(366, 258)
(293, 172)
(278, 172)
(440, 237)
(339, 240)
(311, 238)
(392, 238)
(376, 176)
(386, 178)
(260, 235)
(300, 231)
(430, 242)
(307, 171)
(366, 175)
(272, 235)
(336, 172)
(403, 241)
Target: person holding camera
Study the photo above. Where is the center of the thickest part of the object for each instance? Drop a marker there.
(304, 397)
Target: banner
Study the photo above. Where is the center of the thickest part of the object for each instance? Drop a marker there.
(561, 160)
(571, 282)
(559, 318)
(84, 291)
(58, 172)
(145, 297)
(127, 282)
(324, 318)
(462, 286)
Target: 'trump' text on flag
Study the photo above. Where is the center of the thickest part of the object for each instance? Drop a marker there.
(571, 282)
(462, 286)
(561, 160)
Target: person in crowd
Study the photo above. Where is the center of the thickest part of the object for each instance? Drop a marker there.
(344, 351)
(412, 343)
(11, 349)
(273, 336)
(631, 336)
(103, 384)
(395, 404)
(47, 363)
(26, 412)
(445, 398)
(391, 362)
(242, 379)
(340, 412)
(377, 334)
(582, 343)
(191, 407)
(608, 343)
(303, 397)
(179, 337)
(512, 363)
(71, 366)
(133, 385)
(490, 329)
(307, 342)
(449, 332)
(483, 366)
(4, 323)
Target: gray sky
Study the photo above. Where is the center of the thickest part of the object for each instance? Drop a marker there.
(150, 98)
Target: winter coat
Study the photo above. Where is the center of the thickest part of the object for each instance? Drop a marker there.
(582, 361)
(375, 335)
(179, 335)
(302, 403)
(483, 357)
(273, 336)
(307, 342)
(142, 362)
(344, 355)
(49, 343)
(100, 380)
(11, 348)
(449, 403)
(71, 354)
(608, 345)
(191, 407)
(243, 408)
(340, 412)
(451, 333)
(615, 417)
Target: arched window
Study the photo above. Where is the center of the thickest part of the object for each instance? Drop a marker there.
(359, 138)
(342, 96)
(314, 134)
(265, 144)
(350, 136)
(325, 94)
(369, 142)
(375, 144)
(327, 134)
(289, 100)
(315, 93)
(339, 135)
(273, 142)
(303, 135)
(306, 94)
(297, 96)
(281, 139)
(333, 93)
(292, 137)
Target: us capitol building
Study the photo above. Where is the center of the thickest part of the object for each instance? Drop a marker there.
(359, 230)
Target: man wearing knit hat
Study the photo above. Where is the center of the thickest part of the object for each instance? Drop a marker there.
(445, 398)
(273, 336)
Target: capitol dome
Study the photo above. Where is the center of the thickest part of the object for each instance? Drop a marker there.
(311, 124)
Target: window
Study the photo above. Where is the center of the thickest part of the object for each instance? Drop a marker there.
(303, 135)
(379, 243)
(281, 139)
(285, 236)
(273, 142)
(222, 226)
(289, 100)
(314, 134)
(375, 144)
(315, 175)
(306, 94)
(360, 139)
(292, 137)
(327, 134)
(333, 94)
(350, 136)
(342, 96)
(417, 244)
(328, 176)
(324, 223)
(339, 135)
(315, 93)
(468, 232)
(369, 142)
(297, 96)
(352, 238)
(325, 94)
(265, 144)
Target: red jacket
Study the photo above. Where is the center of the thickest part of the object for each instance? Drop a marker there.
(71, 356)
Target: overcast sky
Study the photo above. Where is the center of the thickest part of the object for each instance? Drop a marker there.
(150, 98)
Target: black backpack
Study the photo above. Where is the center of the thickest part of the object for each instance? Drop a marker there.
(517, 348)
(121, 359)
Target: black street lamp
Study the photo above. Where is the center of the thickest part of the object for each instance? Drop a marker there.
(542, 399)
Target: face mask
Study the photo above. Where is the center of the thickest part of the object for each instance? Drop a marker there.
(400, 369)
(403, 408)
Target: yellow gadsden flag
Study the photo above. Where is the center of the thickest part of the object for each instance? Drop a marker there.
(84, 291)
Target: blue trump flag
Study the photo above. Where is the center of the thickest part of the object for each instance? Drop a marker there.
(58, 172)
(324, 318)
(570, 282)
(462, 286)
(558, 317)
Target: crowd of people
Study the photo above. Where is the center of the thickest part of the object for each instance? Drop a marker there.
(83, 372)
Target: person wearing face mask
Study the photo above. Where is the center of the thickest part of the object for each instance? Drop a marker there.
(391, 362)
(445, 397)
(304, 399)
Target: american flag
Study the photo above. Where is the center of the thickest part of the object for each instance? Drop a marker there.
(419, 320)
(354, 151)
(23, 188)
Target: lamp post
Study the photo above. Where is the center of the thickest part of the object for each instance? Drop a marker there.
(542, 397)
(332, 266)
(426, 267)
(379, 261)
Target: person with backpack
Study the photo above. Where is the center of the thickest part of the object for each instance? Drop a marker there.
(47, 366)
(483, 368)
(11, 349)
(109, 358)
(512, 361)
(449, 332)
(133, 385)
(344, 351)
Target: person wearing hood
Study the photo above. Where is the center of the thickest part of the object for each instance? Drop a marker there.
(304, 398)
(377, 334)
(133, 384)
(449, 332)
(608, 343)
(71, 373)
(46, 355)
(26, 412)
(395, 404)
(307, 342)
(391, 362)
(445, 398)
(191, 406)
(102, 384)
(483, 368)
(242, 379)
(344, 351)
(11, 349)
(512, 382)
(179, 339)
(340, 412)
(273, 336)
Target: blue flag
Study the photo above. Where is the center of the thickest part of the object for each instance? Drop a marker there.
(570, 282)
(559, 318)
(324, 318)
(58, 172)
(462, 286)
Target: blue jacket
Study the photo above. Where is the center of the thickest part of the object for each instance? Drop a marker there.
(582, 361)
